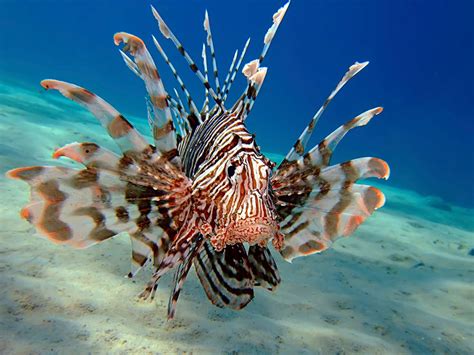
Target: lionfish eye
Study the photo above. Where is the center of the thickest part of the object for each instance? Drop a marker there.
(231, 170)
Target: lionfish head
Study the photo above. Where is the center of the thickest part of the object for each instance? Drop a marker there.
(245, 212)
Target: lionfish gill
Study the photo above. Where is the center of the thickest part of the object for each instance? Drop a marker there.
(203, 194)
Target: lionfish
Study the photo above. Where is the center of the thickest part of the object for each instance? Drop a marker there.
(203, 194)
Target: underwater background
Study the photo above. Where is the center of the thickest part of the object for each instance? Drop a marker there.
(403, 283)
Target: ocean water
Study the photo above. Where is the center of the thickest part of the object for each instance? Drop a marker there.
(403, 283)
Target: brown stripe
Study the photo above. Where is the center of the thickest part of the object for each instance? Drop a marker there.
(159, 101)
(81, 94)
(311, 246)
(324, 152)
(350, 171)
(49, 190)
(296, 230)
(50, 223)
(333, 217)
(307, 160)
(100, 231)
(160, 132)
(293, 220)
(91, 212)
(349, 124)
(119, 127)
(347, 185)
(101, 234)
(28, 173)
(125, 162)
(122, 214)
(149, 69)
(330, 225)
(170, 154)
(139, 258)
(299, 147)
(324, 188)
(84, 178)
(52, 226)
(287, 251)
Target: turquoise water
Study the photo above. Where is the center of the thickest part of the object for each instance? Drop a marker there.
(420, 52)
(401, 284)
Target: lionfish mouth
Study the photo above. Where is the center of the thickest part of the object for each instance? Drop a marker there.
(252, 230)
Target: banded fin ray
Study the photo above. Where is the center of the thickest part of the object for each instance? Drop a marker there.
(167, 33)
(277, 18)
(210, 43)
(319, 203)
(320, 155)
(229, 73)
(322, 208)
(180, 276)
(112, 195)
(163, 129)
(299, 147)
(130, 64)
(117, 126)
(227, 86)
(193, 117)
(205, 106)
(254, 73)
(180, 249)
(76, 207)
(181, 116)
(327, 215)
(148, 247)
(255, 76)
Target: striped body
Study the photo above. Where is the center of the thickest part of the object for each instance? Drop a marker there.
(202, 194)
(231, 181)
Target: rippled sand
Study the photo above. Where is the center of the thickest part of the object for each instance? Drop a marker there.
(403, 283)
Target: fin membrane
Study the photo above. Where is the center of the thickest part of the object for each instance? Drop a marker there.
(319, 203)
(111, 195)
(226, 276)
(264, 268)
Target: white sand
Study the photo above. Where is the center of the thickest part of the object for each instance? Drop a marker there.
(403, 283)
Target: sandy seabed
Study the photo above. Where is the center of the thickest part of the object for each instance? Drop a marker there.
(402, 284)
